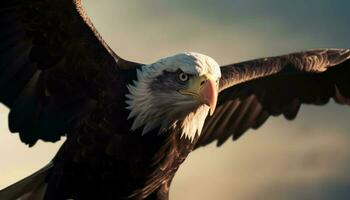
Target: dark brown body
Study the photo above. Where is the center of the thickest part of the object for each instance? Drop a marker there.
(110, 162)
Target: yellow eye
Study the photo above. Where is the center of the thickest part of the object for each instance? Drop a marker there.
(183, 77)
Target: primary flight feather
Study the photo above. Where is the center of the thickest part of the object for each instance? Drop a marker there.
(129, 126)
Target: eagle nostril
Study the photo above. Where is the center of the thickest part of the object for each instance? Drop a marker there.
(202, 82)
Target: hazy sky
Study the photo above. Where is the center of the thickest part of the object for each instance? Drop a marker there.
(304, 159)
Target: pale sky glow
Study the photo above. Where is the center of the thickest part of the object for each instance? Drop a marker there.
(304, 159)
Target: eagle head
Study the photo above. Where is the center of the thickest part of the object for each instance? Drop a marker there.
(176, 92)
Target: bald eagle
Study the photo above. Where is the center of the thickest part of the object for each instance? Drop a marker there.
(129, 126)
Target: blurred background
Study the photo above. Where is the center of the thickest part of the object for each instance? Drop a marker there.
(304, 159)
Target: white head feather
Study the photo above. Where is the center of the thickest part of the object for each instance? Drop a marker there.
(157, 110)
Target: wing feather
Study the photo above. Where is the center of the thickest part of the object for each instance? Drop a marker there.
(276, 86)
(54, 66)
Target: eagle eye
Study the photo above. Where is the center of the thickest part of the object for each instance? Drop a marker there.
(183, 77)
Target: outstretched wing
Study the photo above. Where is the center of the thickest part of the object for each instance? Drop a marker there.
(53, 66)
(252, 91)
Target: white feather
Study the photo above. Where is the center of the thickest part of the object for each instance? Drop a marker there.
(159, 110)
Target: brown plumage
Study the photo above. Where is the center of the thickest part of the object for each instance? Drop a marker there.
(252, 91)
(58, 77)
(56, 67)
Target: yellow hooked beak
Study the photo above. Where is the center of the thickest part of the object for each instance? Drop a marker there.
(203, 89)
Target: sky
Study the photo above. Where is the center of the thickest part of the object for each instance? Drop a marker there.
(303, 159)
